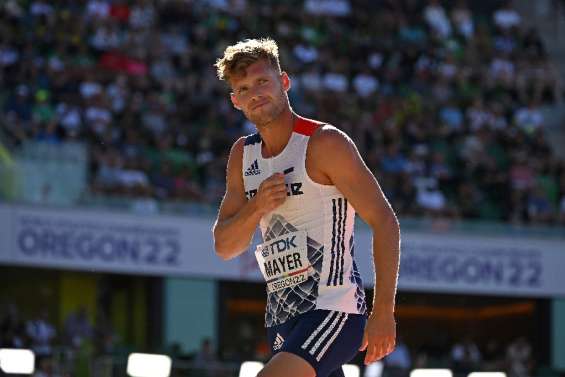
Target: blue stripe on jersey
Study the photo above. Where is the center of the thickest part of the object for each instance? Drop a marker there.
(252, 139)
(339, 239)
(333, 244)
(343, 242)
(289, 170)
(352, 253)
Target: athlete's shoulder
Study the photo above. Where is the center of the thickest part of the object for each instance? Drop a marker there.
(305, 126)
(241, 142)
(237, 146)
(328, 137)
(236, 153)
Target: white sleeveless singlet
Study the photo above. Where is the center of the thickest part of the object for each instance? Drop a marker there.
(307, 256)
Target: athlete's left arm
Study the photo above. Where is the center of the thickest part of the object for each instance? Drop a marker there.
(335, 155)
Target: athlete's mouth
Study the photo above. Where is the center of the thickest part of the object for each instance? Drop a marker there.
(256, 106)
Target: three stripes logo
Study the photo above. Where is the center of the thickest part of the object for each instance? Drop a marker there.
(339, 209)
(325, 334)
(278, 343)
(253, 169)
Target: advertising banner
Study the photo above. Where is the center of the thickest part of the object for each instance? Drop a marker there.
(183, 246)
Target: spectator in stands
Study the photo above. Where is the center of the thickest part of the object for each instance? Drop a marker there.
(430, 198)
(437, 19)
(462, 19)
(12, 329)
(519, 358)
(465, 357)
(529, 118)
(206, 360)
(77, 328)
(493, 356)
(540, 209)
(506, 17)
(41, 334)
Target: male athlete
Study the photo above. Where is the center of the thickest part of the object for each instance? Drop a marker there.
(302, 181)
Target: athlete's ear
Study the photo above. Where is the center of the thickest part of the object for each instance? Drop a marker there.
(234, 101)
(285, 81)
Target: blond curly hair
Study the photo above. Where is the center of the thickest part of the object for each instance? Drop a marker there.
(242, 54)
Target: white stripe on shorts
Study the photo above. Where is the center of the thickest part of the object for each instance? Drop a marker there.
(332, 339)
(322, 325)
(327, 332)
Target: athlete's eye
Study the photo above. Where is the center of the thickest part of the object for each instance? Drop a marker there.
(242, 90)
(263, 81)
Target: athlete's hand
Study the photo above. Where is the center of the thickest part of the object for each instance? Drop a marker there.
(379, 338)
(271, 193)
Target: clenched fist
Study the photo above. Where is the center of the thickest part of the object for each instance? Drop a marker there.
(271, 193)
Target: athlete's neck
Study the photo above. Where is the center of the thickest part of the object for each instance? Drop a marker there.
(276, 134)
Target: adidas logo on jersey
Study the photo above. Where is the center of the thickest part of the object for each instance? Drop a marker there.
(279, 341)
(253, 169)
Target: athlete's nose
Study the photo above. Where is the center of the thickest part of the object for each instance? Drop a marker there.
(256, 99)
(255, 94)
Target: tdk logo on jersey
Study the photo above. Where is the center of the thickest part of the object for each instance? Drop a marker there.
(278, 246)
(253, 169)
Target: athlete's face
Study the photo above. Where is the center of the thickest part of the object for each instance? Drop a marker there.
(260, 93)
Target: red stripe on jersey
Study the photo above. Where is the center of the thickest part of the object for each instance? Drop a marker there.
(306, 126)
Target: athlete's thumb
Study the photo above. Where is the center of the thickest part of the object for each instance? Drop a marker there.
(365, 342)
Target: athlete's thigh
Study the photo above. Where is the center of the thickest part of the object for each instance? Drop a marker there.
(285, 364)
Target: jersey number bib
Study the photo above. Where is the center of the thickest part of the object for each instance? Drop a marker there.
(284, 260)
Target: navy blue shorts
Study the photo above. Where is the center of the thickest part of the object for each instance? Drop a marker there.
(325, 339)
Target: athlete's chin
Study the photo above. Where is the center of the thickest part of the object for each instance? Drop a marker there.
(261, 120)
(263, 116)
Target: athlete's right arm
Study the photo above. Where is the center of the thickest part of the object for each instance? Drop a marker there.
(238, 217)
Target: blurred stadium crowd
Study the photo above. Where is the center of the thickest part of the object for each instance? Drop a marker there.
(80, 348)
(57, 350)
(443, 102)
